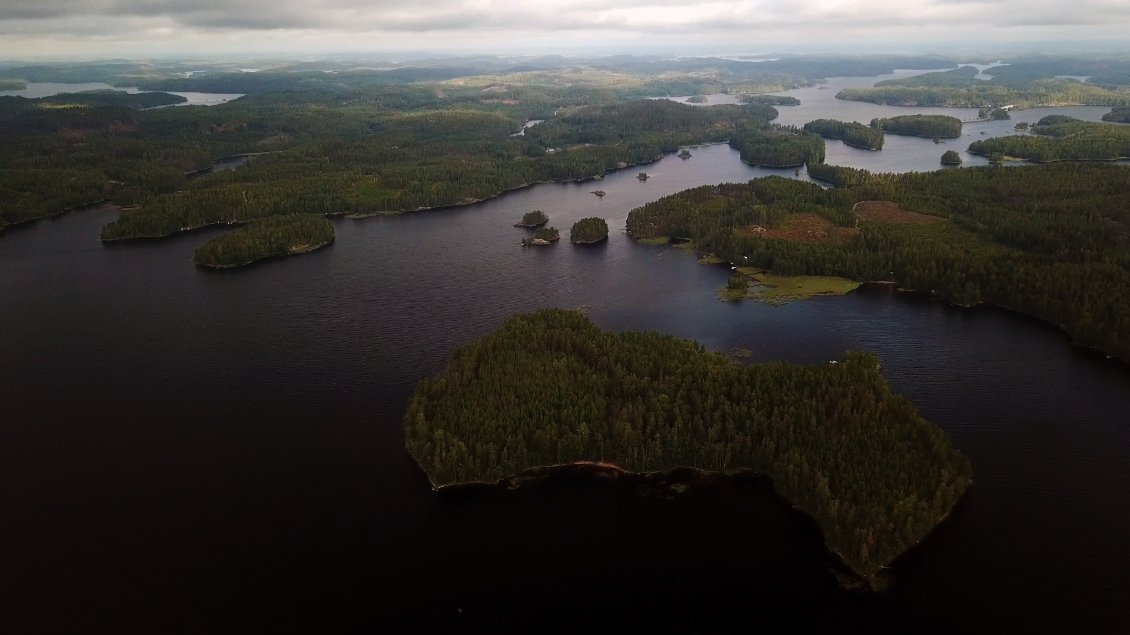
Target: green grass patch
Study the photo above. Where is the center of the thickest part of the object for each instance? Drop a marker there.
(770, 289)
(657, 240)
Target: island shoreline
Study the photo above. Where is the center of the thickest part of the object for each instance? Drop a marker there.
(846, 577)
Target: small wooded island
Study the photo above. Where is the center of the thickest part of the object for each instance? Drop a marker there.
(542, 237)
(951, 157)
(551, 388)
(588, 231)
(266, 238)
(928, 126)
(534, 219)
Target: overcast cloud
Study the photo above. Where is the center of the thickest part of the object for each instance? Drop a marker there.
(204, 27)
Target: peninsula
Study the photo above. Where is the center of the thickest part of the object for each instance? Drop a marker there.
(1061, 138)
(266, 238)
(1046, 240)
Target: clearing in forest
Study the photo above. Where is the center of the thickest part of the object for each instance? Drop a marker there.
(806, 228)
(891, 212)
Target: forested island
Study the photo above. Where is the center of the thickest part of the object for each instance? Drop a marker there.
(851, 133)
(1022, 85)
(588, 231)
(1060, 138)
(993, 114)
(777, 146)
(769, 100)
(265, 238)
(1049, 241)
(951, 157)
(542, 237)
(551, 388)
(532, 220)
(928, 126)
(1120, 114)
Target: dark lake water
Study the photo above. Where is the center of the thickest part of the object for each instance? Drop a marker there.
(186, 450)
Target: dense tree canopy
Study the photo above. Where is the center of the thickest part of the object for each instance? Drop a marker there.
(358, 148)
(852, 133)
(542, 236)
(770, 100)
(589, 230)
(951, 157)
(551, 388)
(1060, 138)
(777, 146)
(536, 218)
(920, 125)
(266, 238)
(1050, 241)
(1022, 85)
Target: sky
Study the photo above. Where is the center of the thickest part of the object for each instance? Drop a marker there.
(210, 28)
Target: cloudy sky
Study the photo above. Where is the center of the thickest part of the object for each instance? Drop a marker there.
(101, 28)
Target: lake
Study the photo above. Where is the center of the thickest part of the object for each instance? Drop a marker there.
(900, 153)
(47, 89)
(190, 450)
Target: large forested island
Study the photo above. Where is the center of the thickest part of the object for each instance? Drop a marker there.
(551, 388)
(852, 133)
(1050, 240)
(920, 126)
(777, 146)
(1061, 138)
